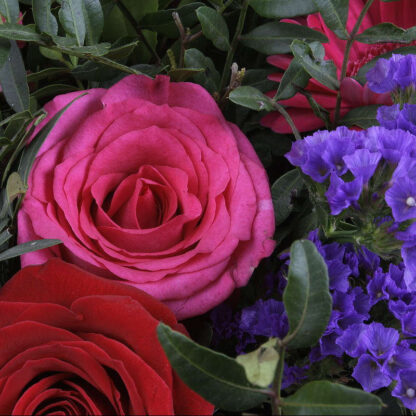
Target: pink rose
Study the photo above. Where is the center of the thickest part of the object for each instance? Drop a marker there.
(146, 182)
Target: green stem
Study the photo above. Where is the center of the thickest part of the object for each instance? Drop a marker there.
(289, 120)
(233, 46)
(277, 383)
(348, 46)
(138, 30)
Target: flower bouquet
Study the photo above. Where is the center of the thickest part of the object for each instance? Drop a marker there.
(207, 207)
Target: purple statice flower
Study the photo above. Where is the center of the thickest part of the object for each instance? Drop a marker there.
(405, 389)
(404, 70)
(392, 117)
(401, 198)
(341, 195)
(362, 163)
(293, 375)
(403, 358)
(369, 373)
(381, 341)
(266, 317)
(380, 78)
(377, 286)
(352, 340)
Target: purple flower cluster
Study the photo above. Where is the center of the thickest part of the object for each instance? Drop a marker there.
(392, 117)
(363, 294)
(371, 171)
(395, 73)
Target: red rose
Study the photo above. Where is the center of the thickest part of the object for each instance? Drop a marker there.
(74, 344)
(148, 183)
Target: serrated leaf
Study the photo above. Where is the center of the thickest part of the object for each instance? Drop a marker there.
(383, 32)
(9, 9)
(283, 190)
(13, 80)
(283, 8)
(325, 398)
(363, 117)
(334, 13)
(32, 149)
(214, 376)
(71, 16)
(94, 20)
(323, 71)
(28, 247)
(209, 78)
(251, 98)
(276, 37)
(44, 19)
(260, 364)
(163, 23)
(307, 300)
(214, 27)
(294, 76)
(18, 32)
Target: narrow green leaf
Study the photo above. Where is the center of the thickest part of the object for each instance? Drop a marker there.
(251, 98)
(276, 37)
(94, 20)
(323, 71)
(383, 32)
(363, 117)
(97, 50)
(210, 78)
(5, 236)
(294, 76)
(46, 73)
(216, 377)
(9, 9)
(20, 249)
(306, 298)
(71, 16)
(260, 364)
(214, 27)
(334, 13)
(258, 78)
(183, 74)
(283, 8)
(163, 23)
(18, 32)
(13, 80)
(32, 149)
(283, 191)
(361, 75)
(4, 51)
(44, 19)
(52, 90)
(325, 398)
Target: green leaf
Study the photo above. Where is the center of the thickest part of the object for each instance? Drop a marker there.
(334, 13)
(9, 9)
(51, 90)
(163, 23)
(44, 19)
(258, 78)
(363, 117)
(383, 32)
(276, 37)
(32, 149)
(323, 71)
(283, 190)
(46, 73)
(14, 186)
(97, 50)
(94, 20)
(294, 77)
(251, 98)
(283, 8)
(18, 32)
(214, 376)
(260, 364)
(183, 74)
(214, 27)
(4, 51)
(325, 398)
(5, 236)
(17, 251)
(361, 75)
(209, 78)
(13, 80)
(71, 16)
(306, 298)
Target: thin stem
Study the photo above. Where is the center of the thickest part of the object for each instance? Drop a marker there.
(347, 51)
(289, 120)
(138, 30)
(277, 383)
(183, 37)
(233, 46)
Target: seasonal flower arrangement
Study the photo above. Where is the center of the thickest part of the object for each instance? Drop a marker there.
(207, 207)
